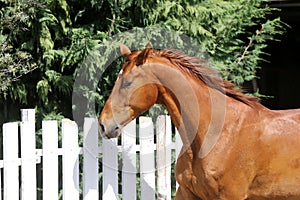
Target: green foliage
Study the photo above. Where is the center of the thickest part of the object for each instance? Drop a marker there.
(242, 67)
(14, 61)
(13, 67)
(61, 36)
(234, 33)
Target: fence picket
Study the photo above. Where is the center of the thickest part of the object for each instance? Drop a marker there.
(70, 151)
(70, 160)
(90, 159)
(10, 157)
(110, 168)
(28, 168)
(147, 167)
(50, 160)
(163, 152)
(129, 161)
(178, 146)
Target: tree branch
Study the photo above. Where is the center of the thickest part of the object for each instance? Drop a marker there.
(250, 44)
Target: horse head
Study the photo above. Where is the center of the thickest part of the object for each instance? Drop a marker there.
(134, 92)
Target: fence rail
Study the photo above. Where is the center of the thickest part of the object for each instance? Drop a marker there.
(136, 167)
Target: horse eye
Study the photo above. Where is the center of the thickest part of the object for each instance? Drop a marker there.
(125, 84)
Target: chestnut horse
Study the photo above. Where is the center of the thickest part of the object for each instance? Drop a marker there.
(233, 147)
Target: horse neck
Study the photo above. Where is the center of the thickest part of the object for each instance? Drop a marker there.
(188, 102)
(198, 111)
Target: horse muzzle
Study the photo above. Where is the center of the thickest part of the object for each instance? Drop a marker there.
(109, 131)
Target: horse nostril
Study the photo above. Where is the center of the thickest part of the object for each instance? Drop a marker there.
(102, 128)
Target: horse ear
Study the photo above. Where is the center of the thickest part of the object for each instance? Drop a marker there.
(148, 45)
(125, 51)
(142, 57)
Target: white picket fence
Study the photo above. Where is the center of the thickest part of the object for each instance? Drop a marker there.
(143, 153)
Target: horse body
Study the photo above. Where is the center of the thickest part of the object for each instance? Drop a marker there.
(233, 147)
(257, 160)
(279, 175)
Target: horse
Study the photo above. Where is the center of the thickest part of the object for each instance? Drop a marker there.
(234, 148)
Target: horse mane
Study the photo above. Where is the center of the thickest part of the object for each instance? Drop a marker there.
(199, 69)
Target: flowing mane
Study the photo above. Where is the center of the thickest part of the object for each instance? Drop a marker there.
(198, 68)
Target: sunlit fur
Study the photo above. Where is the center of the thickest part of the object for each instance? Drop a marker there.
(257, 151)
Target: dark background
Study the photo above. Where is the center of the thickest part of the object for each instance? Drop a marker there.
(280, 77)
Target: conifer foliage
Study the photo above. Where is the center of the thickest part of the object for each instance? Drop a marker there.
(44, 42)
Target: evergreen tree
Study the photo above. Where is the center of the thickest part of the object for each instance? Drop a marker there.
(56, 36)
